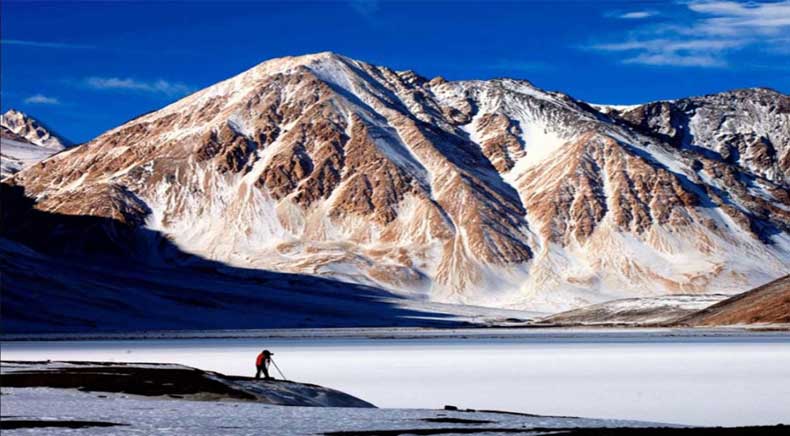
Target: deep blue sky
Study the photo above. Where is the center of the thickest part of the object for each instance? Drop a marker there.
(86, 67)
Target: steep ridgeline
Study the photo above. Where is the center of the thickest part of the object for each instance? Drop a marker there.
(747, 128)
(483, 192)
(24, 141)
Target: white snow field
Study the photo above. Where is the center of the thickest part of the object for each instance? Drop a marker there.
(722, 378)
(182, 417)
(15, 155)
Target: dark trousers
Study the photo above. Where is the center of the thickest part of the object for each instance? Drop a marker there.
(262, 368)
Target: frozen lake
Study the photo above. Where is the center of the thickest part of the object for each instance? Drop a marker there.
(719, 380)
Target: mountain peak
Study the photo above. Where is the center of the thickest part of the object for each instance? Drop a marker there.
(308, 58)
(282, 64)
(32, 130)
(13, 116)
(11, 112)
(24, 141)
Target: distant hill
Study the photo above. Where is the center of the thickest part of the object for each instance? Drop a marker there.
(24, 141)
(635, 311)
(768, 304)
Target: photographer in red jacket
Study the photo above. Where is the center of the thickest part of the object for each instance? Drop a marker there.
(262, 364)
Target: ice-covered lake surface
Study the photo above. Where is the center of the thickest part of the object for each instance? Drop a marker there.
(157, 416)
(686, 377)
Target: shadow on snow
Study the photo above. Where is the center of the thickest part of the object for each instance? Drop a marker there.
(77, 273)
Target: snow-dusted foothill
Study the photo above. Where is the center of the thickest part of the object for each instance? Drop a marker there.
(644, 311)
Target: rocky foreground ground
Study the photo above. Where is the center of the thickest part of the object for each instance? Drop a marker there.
(126, 398)
(170, 380)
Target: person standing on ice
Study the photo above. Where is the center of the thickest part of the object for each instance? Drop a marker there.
(262, 364)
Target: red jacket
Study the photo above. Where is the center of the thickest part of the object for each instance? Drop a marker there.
(260, 359)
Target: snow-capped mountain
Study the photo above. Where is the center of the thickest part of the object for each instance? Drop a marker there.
(24, 141)
(747, 128)
(480, 192)
(30, 130)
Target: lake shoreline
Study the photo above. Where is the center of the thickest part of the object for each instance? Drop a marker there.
(412, 333)
(118, 386)
(700, 377)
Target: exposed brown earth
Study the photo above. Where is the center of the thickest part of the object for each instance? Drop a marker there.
(768, 304)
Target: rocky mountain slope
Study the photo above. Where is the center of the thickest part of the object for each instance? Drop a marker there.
(24, 141)
(767, 304)
(734, 127)
(492, 192)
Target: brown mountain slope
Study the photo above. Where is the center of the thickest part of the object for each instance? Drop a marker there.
(768, 304)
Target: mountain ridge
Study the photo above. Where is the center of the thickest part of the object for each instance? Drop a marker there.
(484, 192)
(25, 141)
(32, 130)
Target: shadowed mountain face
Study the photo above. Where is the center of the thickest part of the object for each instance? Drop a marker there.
(71, 273)
(485, 192)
